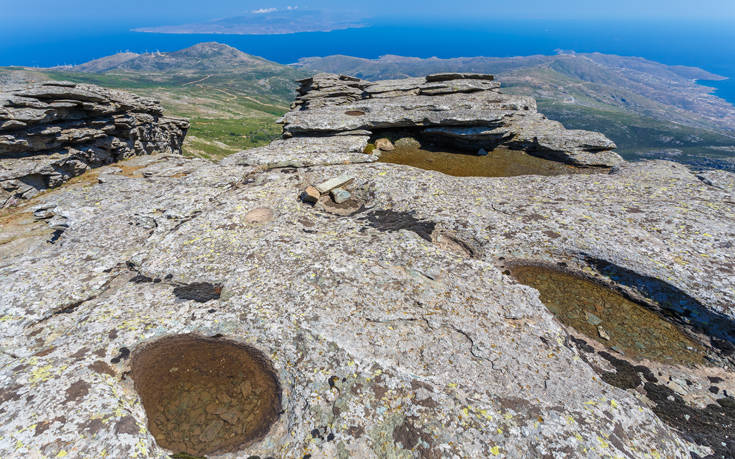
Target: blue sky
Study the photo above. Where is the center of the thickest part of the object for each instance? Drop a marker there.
(151, 12)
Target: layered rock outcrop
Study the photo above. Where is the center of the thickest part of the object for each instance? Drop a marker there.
(391, 321)
(467, 110)
(53, 131)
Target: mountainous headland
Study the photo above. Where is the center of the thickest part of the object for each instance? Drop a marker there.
(232, 98)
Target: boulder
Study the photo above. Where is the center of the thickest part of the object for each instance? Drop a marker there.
(384, 145)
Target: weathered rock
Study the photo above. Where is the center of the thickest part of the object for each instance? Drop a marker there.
(390, 322)
(465, 109)
(305, 152)
(51, 132)
(311, 195)
(340, 195)
(385, 339)
(384, 145)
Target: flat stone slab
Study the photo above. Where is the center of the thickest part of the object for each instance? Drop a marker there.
(304, 152)
(335, 182)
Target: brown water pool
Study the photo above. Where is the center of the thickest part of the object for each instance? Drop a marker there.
(610, 318)
(500, 162)
(205, 395)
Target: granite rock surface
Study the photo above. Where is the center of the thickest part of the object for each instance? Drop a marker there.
(390, 319)
(53, 131)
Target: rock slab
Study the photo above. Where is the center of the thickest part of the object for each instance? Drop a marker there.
(53, 131)
(466, 110)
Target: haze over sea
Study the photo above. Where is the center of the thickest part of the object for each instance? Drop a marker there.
(709, 45)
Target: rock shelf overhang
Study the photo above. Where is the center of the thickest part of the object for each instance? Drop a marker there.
(467, 109)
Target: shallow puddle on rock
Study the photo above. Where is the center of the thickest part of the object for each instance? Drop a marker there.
(498, 163)
(610, 318)
(205, 395)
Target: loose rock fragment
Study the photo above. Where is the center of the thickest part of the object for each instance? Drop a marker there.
(310, 195)
(384, 145)
(603, 334)
(340, 195)
(336, 182)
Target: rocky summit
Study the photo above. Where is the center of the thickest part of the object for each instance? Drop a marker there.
(462, 109)
(51, 132)
(304, 300)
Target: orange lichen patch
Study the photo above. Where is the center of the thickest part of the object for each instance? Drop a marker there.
(180, 175)
(17, 224)
(90, 177)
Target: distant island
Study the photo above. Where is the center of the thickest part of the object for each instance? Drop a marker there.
(267, 21)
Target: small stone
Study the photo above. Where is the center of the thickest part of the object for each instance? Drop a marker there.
(603, 334)
(340, 195)
(333, 183)
(481, 152)
(384, 145)
(408, 142)
(593, 319)
(230, 416)
(259, 215)
(310, 195)
(210, 433)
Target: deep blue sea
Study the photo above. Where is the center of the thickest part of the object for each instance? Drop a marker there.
(710, 46)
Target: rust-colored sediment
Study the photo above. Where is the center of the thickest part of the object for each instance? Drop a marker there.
(205, 395)
(597, 311)
(500, 162)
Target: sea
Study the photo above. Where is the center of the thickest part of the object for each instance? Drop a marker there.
(708, 45)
